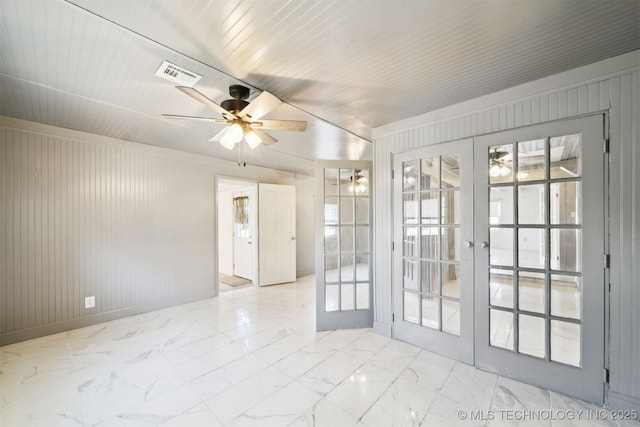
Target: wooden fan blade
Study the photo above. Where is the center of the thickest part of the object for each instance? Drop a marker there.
(204, 119)
(218, 136)
(281, 125)
(260, 106)
(265, 137)
(206, 101)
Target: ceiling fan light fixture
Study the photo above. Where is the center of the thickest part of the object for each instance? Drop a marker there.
(228, 144)
(233, 135)
(357, 187)
(252, 139)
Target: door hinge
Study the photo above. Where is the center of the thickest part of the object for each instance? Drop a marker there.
(393, 317)
(605, 145)
(393, 174)
(393, 246)
(605, 260)
(605, 376)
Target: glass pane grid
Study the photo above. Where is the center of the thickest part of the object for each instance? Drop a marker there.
(535, 293)
(430, 250)
(346, 240)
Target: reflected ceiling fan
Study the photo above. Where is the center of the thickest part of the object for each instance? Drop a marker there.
(497, 160)
(242, 117)
(357, 181)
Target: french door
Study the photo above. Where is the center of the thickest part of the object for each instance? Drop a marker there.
(433, 268)
(343, 252)
(536, 292)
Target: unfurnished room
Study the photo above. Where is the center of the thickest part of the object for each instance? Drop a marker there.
(319, 213)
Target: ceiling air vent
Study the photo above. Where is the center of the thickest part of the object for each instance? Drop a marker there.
(173, 73)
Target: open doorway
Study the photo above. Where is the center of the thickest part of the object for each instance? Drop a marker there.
(237, 237)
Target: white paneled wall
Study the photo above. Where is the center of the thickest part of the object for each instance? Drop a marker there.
(615, 90)
(132, 225)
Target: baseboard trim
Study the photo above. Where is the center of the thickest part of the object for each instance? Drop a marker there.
(623, 402)
(382, 329)
(55, 328)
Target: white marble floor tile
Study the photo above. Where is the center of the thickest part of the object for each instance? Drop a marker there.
(470, 387)
(428, 370)
(402, 404)
(50, 401)
(199, 415)
(366, 345)
(325, 414)
(579, 413)
(395, 356)
(247, 394)
(446, 412)
(252, 357)
(210, 361)
(49, 347)
(330, 372)
(193, 350)
(280, 409)
(163, 410)
(286, 346)
(219, 380)
(303, 360)
(110, 393)
(361, 389)
(519, 398)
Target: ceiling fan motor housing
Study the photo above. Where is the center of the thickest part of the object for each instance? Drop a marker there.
(234, 105)
(239, 93)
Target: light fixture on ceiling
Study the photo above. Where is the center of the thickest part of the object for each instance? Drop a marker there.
(358, 183)
(235, 133)
(242, 117)
(496, 163)
(253, 140)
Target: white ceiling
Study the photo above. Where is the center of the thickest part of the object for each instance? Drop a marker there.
(344, 66)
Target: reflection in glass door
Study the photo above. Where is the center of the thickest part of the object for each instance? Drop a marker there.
(343, 267)
(539, 274)
(433, 303)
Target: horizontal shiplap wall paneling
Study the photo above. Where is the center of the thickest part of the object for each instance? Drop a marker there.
(82, 220)
(620, 96)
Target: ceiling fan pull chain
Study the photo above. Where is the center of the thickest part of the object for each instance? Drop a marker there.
(241, 154)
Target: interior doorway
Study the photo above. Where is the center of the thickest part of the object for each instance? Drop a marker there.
(237, 233)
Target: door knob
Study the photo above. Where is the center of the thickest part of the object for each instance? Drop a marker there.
(293, 238)
(483, 244)
(468, 243)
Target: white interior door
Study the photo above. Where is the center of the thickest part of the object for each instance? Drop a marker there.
(243, 239)
(433, 268)
(277, 231)
(343, 254)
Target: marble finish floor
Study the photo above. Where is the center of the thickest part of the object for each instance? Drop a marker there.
(251, 357)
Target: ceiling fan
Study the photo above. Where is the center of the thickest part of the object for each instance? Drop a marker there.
(497, 160)
(357, 180)
(242, 117)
